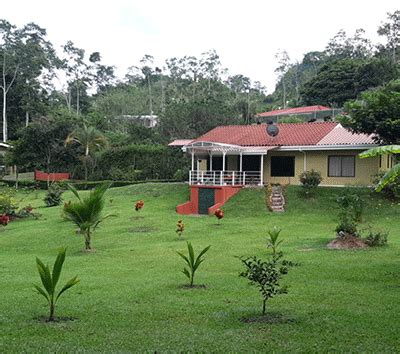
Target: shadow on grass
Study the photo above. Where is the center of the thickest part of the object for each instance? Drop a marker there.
(143, 229)
(192, 287)
(57, 320)
(270, 318)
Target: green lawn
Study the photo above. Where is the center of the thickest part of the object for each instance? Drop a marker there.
(130, 296)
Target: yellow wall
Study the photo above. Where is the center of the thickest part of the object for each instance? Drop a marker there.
(318, 160)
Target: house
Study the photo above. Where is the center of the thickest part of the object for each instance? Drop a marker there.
(148, 121)
(315, 113)
(229, 157)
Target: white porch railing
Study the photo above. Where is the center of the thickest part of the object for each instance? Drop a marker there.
(225, 178)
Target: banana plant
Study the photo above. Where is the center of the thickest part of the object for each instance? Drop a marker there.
(192, 262)
(391, 174)
(49, 281)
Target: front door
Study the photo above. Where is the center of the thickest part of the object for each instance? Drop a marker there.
(206, 199)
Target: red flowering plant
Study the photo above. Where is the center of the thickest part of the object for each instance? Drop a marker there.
(139, 205)
(219, 213)
(180, 227)
(4, 219)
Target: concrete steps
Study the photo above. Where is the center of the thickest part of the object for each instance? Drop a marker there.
(277, 200)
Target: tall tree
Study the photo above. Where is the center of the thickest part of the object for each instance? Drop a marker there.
(283, 67)
(391, 30)
(377, 112)
(90, 139)
(24, 54)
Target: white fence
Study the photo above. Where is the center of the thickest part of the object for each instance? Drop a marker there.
(225, 178)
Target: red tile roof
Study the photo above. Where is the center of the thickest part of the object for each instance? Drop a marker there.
(298, 110)
(342, 136)
(256, 135)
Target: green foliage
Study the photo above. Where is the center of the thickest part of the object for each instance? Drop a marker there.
(192, 262)
(376, 238)
(86, 213)
(310, 180)
(391, 190)
(8, 203)
(141, 162)
(377, 112)
(265, 275)
(50, 279)
(273, 240)
(54, 195)
(391, 176)
(291, 119)
(351, 208)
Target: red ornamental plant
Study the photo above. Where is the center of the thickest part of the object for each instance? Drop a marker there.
(4, 219)
(180, 227)
(139, 205)
(219, 213)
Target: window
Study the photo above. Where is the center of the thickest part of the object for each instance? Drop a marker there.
(282, 166)
(341, 166)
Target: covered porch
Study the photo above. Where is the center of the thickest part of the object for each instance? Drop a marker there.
(217, 164)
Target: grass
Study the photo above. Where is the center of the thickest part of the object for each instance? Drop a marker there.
(131, 298)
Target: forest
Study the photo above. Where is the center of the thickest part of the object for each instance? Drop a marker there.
(54, 95)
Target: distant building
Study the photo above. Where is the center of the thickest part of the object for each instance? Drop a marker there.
(309, 113)
(148, 121)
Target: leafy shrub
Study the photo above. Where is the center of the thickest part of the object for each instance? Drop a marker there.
(49, 281)
(376, 238)
(391, 190)
(192, 262)
(351, 208)
(310, 180)
(54, 195)
(8, 204)
(266, 276)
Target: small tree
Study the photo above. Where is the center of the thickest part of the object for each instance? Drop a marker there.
(86, 213)
(351, 209)
(273, 240)
(192, 261)
(265, 275)
(310, 180)
(54, 195)
(180, 228)
(50, 279)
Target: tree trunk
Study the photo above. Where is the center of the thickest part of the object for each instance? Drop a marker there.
(26, 118)
(150, 98)
(77, 100)
(52, 309)
(88, 245)
(5, 137)
(264, 306)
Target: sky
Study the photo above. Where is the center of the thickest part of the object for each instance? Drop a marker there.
(245, 34)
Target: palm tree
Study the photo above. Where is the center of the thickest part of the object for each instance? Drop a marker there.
(86, 213)
(90, 138)
(391, 174)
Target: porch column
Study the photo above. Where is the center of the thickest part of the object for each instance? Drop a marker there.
(211, 161)
(192, 160)
(223, 160)
(241, 162)
(262, 170)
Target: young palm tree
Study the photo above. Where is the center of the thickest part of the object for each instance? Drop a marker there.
(391, 174)
(90, 138)
(86, 213)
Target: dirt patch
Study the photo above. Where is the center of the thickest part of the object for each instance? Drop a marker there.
(63, 319)
(350, 242)
(188, 287)
(137, 217)
(306, 249)
(143, 229)
(271, 318)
